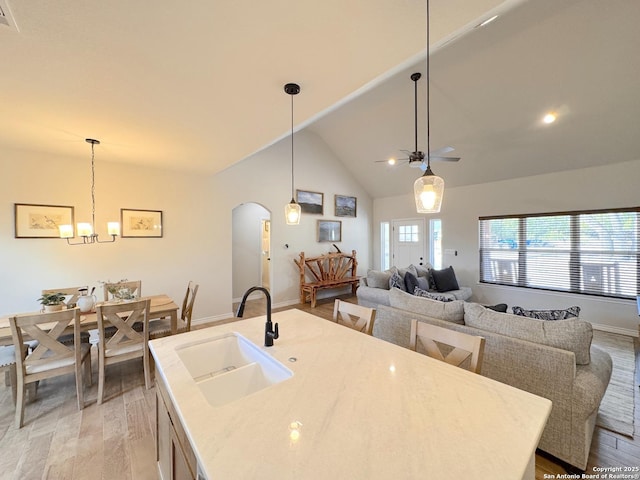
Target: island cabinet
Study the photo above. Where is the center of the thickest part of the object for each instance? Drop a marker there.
(175, 457)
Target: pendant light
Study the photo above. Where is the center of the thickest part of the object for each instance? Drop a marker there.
(87, 230)
(429, 188)
(292, 210)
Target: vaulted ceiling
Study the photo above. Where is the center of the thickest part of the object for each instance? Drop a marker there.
(198, 85)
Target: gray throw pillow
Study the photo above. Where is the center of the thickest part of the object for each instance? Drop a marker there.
(445, 279)
(571, 312)
(378, 279)
(410, 282)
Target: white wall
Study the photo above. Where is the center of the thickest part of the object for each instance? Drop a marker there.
(612, 186)
(197, 242)
(164, 265)
(265, 178)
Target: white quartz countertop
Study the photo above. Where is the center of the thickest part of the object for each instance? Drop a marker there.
(355, 408)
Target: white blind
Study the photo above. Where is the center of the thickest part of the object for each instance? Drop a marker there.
(590, 252)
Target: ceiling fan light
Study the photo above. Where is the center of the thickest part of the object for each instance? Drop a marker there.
(428, 192)
(391, 161)
(292, 213)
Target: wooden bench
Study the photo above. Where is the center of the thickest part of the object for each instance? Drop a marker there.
(331, 270)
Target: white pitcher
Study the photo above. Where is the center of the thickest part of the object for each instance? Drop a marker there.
(86, 303)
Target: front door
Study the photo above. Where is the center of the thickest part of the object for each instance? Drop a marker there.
(408, 242)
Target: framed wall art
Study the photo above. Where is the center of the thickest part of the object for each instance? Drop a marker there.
(41, 221)
(329, 230)
(345, 206)
(310, 202)
(141, 223)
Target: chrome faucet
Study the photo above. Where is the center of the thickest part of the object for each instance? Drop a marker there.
(270, 330)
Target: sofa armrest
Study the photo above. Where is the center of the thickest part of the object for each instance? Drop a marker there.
(591, 382)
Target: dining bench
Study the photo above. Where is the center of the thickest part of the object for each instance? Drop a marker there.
(330, 270)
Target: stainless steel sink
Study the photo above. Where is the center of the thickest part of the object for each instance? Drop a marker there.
(230, 367)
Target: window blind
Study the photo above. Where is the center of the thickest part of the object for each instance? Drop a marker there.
(587, 252)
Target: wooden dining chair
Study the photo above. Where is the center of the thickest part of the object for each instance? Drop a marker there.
(126, 343)
(135, 286)
(50, 358)
(460, 346)
(354, 316)
(162, 327)
(71, 300)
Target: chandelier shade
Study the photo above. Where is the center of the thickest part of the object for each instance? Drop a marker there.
(428, 191)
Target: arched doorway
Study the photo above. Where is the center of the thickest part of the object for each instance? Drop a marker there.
(251, 252)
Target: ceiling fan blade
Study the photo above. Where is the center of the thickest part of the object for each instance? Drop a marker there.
(442, 151)
(443, 159)
(423, 167)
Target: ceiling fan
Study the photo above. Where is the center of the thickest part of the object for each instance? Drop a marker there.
(417, 158)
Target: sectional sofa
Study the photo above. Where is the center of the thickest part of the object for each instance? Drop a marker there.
(552, 359)
(374, 288)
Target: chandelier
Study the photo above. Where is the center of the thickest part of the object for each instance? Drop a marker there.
(85, 230)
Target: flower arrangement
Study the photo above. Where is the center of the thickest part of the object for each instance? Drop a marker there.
(119, 290)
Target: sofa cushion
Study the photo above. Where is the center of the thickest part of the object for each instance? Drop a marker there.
(423, 270)
(411, 282)
(403, 271)
(378, 279)
(445, 279)
(571, 334)
(420, 292)
(447, 311)
(571, 312)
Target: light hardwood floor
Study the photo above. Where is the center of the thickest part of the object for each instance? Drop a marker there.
(116, 439)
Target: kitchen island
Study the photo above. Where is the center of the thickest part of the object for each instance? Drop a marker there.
(355, 407)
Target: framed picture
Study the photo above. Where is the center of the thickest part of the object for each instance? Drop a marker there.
(41, 221)
(329, 231)
(141, 223)
(346, 206)
(310, 202)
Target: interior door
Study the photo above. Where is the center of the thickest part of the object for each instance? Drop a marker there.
(408, 242)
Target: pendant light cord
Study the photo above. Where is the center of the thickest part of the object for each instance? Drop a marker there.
(428, 115)
(292, 148)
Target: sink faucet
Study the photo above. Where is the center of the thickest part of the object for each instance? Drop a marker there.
(270, 333)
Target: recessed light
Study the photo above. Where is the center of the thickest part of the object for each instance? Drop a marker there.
(487, 21)
(549, 117)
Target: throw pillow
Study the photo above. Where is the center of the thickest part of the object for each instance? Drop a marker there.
(378, 279)
(445, 280)
(571, 312)
(403, 271)
(396, 281)
(410, 282)
(500, 307)
(433, 296)
(423, 270)
(423, 283)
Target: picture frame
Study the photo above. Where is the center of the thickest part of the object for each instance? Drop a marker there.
(41, 221)
(141, 223)
(329, 231)
(345, 206)
(310, 202)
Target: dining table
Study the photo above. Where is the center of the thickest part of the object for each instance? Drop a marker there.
(162, 306)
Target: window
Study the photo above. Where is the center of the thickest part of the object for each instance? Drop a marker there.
(408, 234)
(385, 245)
(435, 243)
(591, 252)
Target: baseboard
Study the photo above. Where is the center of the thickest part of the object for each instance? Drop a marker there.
(620, 331)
